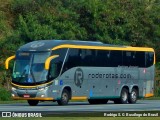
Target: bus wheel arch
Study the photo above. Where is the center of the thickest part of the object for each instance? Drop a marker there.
(65, 96)
(133, 95)
(69, 91)
(124, 95)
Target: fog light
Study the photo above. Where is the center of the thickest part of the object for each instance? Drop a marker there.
(42, 95)
(13, 95)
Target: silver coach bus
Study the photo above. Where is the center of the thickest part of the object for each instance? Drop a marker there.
(63, 70)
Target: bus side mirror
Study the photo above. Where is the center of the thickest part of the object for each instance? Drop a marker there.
(48, 60)
(8, 60)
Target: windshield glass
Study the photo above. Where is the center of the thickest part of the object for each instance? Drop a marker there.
(38, 67)
(29, 68)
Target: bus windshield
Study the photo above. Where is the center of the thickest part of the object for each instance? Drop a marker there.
(29, 68)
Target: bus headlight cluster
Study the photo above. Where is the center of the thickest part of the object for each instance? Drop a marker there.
(13, 95)
(13, 89)
(42, 89)
(42, 95)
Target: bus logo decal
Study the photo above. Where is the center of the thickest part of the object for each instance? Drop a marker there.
(37, 44)
(78, 77)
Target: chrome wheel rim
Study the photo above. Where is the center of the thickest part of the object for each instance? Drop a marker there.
(124, 96)
(134, 96)
(64, 97)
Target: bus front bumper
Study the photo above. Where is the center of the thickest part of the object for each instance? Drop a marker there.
(36, 98)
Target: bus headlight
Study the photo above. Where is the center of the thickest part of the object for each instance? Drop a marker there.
(42, 95)
(13, 95)
(13, 89)
(42, 89)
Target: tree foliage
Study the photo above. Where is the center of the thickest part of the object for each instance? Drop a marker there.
(124, 22)
(130, 22)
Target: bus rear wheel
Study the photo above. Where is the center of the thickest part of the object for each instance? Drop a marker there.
(133, 96)
(64, 98)
(33, 102)
(123, 97)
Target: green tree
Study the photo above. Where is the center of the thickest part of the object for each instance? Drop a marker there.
(124, 22)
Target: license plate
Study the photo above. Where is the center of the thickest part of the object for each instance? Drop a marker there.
(26, 96)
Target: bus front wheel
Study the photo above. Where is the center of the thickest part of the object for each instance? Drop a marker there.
(33, 102)
(64, 98)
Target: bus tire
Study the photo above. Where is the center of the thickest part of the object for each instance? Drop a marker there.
(33, 102)
(64, 98)
(92, 101)
(116, 101)
(133, 96)
(98, 101)
(123, 97)
(103, 101)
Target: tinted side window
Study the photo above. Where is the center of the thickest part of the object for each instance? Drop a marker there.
(129, 58)
(140, 59)
(55, 67)
(88, 57)
(60, 52)
(56, 64)
(149, 59)
(115, 58)
(102, 58)
(73, 59)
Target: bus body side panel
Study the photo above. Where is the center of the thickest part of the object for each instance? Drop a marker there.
(101, 82)
(127, 77)
(90, 82)
(98, 82)
(149, 82)
(146, 82)
(104, 82)
(74, 79)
